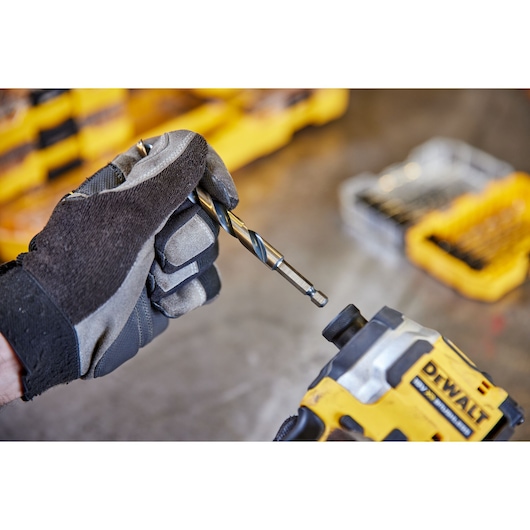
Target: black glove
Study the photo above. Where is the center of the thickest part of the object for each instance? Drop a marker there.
(119, 256)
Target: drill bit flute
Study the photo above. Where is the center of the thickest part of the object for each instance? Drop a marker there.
(252, 241)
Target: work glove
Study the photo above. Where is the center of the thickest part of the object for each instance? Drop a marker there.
(119, 256)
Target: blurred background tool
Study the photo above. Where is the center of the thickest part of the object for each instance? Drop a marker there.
(50, 139)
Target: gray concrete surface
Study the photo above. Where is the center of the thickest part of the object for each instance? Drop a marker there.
(234, 370)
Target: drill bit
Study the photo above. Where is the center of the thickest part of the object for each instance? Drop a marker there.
(251, 240)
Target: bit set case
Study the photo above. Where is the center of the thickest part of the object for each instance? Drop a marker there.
(480, 246)
(383, 207)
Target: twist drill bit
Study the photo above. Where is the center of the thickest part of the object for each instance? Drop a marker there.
(251, 240)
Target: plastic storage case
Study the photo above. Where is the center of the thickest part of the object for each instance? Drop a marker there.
(480, 246)
(54, 130)
(267, 119)
(240, 124)
(383, 207)
(20, 163)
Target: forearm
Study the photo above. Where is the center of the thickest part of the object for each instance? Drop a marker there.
(10, 367)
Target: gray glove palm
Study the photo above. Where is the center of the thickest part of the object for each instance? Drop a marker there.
(119, 256)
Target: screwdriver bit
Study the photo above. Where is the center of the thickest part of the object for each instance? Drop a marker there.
(251, 240)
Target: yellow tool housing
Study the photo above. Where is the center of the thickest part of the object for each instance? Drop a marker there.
(394, 379)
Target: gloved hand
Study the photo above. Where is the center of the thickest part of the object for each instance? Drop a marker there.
(119, 256)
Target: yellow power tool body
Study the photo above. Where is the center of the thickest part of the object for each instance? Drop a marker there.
(394, 379)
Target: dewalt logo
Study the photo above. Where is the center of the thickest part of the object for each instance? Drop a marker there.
(455, 394)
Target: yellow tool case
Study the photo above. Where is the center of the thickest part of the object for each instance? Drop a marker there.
(20, 166)
(102, 119)
(46, 133)
(240, 124)
(155, 111)
(267, 120)
(56, 138)
(480, 246)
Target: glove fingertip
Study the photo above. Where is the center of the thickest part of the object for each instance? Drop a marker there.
(217, 180)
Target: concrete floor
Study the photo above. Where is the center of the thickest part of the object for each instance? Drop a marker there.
(234, 370)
